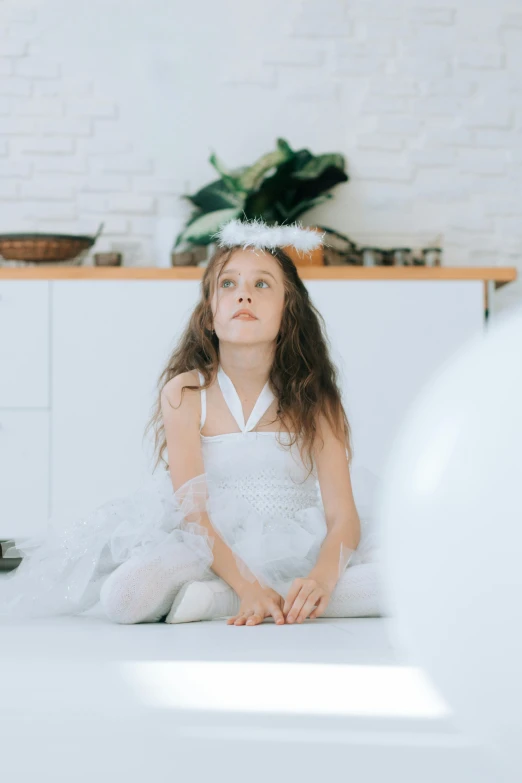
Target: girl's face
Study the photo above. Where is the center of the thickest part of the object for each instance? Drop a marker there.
(250, 280)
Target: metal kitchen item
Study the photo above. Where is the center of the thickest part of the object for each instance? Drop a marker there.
(107, 259)
(371, 256)
(402, 256)
(432, 256)
(45, 248)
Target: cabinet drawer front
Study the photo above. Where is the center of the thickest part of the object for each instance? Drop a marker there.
(24, 473)
(24, 344)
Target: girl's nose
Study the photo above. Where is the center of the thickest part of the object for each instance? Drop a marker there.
(243, 293)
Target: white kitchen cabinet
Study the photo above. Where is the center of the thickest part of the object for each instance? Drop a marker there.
(389, 338)
(81, 359)
(24, 472)
(24, 406)
(24, 343)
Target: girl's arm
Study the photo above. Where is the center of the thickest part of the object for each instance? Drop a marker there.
(342, 519)
(181, 422)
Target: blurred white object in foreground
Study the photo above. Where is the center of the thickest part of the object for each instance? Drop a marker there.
(451, 513)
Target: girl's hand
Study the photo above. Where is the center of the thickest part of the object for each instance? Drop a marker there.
(303, 596)
(256, 604)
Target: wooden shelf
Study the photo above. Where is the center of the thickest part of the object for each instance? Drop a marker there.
(499, 275)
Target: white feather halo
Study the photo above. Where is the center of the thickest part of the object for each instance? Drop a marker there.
(257, 234)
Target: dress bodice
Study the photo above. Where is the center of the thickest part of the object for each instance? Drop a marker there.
(260, 466)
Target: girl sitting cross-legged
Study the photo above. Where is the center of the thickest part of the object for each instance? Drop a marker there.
(253, 516)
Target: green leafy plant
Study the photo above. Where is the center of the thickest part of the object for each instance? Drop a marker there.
(278, 188)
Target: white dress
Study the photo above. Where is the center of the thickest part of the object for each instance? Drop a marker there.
(257, 495)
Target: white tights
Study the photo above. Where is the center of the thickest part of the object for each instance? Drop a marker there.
(142, 590)
(357, 593)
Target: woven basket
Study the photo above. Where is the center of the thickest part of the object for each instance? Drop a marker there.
(45, 248)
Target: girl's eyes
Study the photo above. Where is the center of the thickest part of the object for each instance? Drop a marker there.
(227, 280)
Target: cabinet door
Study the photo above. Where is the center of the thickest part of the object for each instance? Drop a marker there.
(24, 344)
(388, 339)
(110, 341)
(24, 473)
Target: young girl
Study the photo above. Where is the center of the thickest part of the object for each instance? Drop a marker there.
(254, 516)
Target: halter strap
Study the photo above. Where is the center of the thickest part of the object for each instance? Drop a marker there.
(233, 402)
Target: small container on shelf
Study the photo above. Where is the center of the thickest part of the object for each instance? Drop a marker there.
(432, 256)
(402, 256)
(107, 259)
(185, 258)
(371, 256)
(191, 257)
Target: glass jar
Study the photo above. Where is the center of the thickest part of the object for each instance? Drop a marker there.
(432, 256)
(371, 256)
(402, 256)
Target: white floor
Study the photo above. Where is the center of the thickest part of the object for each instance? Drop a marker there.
(87, 700)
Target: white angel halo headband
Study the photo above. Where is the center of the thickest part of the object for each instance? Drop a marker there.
(258, 235)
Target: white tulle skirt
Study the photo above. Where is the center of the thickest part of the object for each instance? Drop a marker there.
(63, 571)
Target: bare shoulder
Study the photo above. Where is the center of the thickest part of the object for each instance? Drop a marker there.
(174, 398)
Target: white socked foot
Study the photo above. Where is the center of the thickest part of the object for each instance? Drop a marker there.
(206, 600)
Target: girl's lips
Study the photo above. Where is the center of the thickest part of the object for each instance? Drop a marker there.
(245, 317)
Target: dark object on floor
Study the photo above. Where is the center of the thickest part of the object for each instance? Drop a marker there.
(8, 563)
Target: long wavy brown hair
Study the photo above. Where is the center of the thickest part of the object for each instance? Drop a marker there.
(303, 378)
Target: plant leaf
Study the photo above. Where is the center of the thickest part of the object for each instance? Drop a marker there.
(279, 193)
(319, 164)
(254, 175)
(216, 195)
(231, 178)
(311, 188)
(202, 229)
(284, 146)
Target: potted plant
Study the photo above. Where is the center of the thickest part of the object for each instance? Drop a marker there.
(278, 188)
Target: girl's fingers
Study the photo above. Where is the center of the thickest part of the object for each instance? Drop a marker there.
(308, 606)
(323, 603)
(278, 615)
(255, 619)
(314, 611)
(291, 595)
(298, 604)
(237, 617)
(245, 616)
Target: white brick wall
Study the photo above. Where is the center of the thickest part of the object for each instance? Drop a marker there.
(104, 120)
